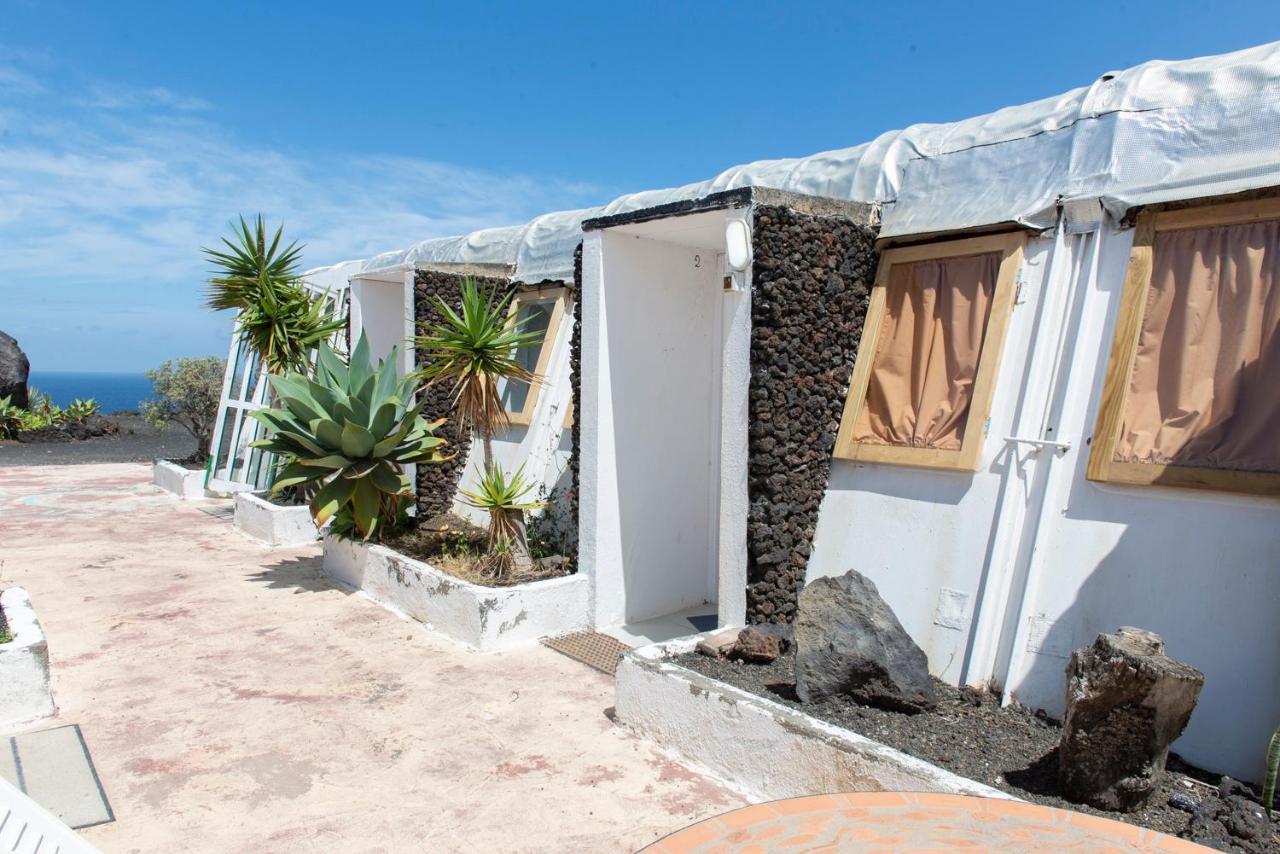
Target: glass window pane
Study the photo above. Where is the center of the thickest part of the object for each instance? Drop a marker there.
(536, 317)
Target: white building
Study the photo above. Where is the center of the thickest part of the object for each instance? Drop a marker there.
(1097, 444)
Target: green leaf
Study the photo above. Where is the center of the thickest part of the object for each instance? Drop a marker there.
(357, 442)
(330, 499)
(389, 480)
(329, 433)
(366, 502)
(294, 474)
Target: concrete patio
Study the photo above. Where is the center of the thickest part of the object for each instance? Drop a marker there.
(234, 701)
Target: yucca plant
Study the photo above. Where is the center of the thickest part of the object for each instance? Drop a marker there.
(259, 278)
(1273, 770)
(472, 350)
(349, 430)
(503, 496)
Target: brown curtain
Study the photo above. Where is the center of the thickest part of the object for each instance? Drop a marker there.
(1200, 394)
(926, 358)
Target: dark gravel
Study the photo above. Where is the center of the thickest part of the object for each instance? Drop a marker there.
(136, 442)
(1015, 750)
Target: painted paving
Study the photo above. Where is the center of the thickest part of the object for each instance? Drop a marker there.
(235, 701)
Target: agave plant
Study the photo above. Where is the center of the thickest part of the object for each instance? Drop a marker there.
(10, 418)
(349, 430)
(260, 279)
(503, 496)
(79, 409)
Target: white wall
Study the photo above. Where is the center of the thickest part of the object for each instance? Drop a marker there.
(1056, 559)
(651, 425)
(923, 535)
(383, 310)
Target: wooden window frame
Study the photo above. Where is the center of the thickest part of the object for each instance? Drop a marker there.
(1124, 347)
(534, 295)
(969, 456)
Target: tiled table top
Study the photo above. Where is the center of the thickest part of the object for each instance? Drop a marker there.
(909, 821)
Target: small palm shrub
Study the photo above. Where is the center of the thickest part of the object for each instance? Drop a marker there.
(503, 496)
(277, 317)
(349, 431)
(472, 350)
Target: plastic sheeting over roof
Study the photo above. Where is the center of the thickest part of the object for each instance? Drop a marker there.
(1155, 132)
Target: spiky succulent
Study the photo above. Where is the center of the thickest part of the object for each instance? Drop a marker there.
(350, 430)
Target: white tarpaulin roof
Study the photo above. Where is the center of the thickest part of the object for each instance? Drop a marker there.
(1155, 132)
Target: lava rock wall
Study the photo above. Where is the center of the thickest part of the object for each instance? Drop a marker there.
(438, 483)
(811, 285)
(575, 385)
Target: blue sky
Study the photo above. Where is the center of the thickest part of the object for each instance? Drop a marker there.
(131, 133)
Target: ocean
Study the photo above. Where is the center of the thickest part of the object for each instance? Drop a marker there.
(114, 392)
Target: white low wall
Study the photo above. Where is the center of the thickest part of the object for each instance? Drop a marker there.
(24, 664)
(483, 618)
(763, 749)
(183, 482)
(274, 524)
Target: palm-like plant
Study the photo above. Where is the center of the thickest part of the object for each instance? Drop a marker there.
(277, 317)
(503, 496)
(350, 431)
(473, 349)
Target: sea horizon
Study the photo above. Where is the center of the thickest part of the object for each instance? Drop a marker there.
(115, 391)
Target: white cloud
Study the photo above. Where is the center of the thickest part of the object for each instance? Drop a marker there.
(106, 197)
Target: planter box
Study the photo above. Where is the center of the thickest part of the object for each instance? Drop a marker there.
(183, 482)
(274, 524)
(764, 749)
(24, 664)
(483, 618)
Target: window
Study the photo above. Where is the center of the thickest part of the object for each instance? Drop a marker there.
(931, 343)
(538, 311)
(1189, 397)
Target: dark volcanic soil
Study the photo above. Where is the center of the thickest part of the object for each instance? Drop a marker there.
(136, 442)
(1016, 751)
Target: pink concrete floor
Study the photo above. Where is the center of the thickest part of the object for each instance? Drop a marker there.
(234, 701)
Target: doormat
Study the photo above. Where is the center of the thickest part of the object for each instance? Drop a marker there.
(224, 511)
(53, 768)
(591, 648)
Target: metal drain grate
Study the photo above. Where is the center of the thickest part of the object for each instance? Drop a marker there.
(591, 648)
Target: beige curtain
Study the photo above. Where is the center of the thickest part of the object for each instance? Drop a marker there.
(926, 357)
(1203, 391)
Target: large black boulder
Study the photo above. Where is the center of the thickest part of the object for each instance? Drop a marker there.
(14, 370)
(849, 643)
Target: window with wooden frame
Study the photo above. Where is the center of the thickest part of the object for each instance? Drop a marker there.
(931, 343)
(537, 311)
(1189, 397)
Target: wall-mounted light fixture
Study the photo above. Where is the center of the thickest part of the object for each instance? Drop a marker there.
(737, 244)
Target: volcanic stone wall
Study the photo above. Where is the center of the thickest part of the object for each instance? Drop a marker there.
(575, 386)
(811, 284)
(437, 483)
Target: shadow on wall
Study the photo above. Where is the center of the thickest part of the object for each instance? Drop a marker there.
(1199, 571)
